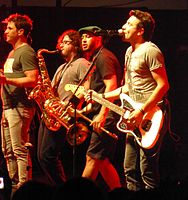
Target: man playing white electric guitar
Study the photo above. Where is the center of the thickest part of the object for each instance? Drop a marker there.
(150, 123)
(146, 82)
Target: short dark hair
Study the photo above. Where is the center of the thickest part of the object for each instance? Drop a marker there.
(146, 22)
(21, 22)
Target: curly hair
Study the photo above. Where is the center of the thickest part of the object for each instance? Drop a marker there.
(74, 36)
(146, 22)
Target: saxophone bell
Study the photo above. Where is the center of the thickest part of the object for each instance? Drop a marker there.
(77, 133)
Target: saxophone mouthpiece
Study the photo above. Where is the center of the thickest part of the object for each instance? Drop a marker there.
(54, 51)
(40, 51)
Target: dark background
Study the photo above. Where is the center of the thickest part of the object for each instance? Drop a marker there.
(171, 35)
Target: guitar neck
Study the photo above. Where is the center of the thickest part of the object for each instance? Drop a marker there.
(96, 98)
(108, 104)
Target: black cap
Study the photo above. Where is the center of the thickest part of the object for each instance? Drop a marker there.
(91, 29)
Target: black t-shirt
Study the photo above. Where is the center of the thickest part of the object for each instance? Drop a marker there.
(106, 65)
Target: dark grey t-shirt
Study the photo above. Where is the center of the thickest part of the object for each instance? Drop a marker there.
(71, 73)
(18, 61)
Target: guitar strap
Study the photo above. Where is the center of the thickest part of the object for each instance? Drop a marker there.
(60, 74)
(92, 65)
(128, 69)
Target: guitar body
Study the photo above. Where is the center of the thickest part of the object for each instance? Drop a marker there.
(149, 127)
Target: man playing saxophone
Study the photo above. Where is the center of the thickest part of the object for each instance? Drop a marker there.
(50, 142)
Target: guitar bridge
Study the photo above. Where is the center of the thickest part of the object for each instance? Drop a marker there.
(146, 125)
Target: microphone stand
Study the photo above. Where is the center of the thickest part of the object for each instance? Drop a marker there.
(75, 101)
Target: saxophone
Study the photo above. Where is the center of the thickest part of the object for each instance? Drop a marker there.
(44, 96)
(44, 91)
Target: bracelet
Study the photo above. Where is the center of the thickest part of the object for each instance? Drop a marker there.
(142, 111)
(103, 96)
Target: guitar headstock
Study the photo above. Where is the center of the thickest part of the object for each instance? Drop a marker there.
(73, 88)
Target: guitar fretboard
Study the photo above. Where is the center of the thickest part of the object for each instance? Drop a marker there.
(97, 98)
(108, 104)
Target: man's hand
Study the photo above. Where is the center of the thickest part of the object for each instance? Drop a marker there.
(98, 123)
(88, 96)
(134, 119)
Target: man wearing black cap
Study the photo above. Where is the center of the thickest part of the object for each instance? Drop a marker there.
(104, 78)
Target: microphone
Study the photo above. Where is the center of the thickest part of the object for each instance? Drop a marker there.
(109, 33)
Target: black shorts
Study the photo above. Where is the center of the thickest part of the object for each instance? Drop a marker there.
(103, 145)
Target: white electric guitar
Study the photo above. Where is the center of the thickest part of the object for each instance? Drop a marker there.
(149, 127)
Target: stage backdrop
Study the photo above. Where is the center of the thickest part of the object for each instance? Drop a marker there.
(171, 35)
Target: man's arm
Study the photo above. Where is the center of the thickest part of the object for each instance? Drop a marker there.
(111, 84)
(161, 89)
(30, 79)
(114, 94)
